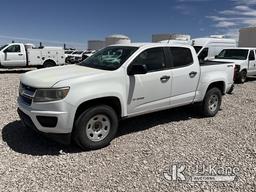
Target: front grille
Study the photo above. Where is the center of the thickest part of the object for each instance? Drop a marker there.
(26, 93)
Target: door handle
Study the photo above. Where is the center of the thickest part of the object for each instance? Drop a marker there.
(192, 74)
(165, 78)
(20, 54)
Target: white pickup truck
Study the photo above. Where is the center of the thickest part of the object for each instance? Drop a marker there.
(21, 55)
(244, 58)
(87, 100)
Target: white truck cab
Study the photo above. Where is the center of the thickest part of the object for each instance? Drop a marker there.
(21, 55)
(207, 48)
(242, 57)
(87, 100)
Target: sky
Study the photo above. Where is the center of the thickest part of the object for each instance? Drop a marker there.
(55, 22)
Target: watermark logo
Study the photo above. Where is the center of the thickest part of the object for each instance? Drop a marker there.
(175, 173)
(199, 173)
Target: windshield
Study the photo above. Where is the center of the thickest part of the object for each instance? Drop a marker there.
(238, 54)
(3, 47)
(198, 48)
(109, 58)
(77, 52)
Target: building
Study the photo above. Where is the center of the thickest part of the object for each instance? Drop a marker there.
(163, 37)
(117, 39)
(247, 37)
(96, 44)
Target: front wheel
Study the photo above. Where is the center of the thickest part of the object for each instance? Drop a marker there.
(96, 127)
(212, 102)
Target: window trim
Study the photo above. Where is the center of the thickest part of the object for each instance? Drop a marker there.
(172, 62)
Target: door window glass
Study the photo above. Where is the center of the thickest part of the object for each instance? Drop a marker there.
(153, 58)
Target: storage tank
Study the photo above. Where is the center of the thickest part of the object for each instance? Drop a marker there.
(96, 44)
(247, 37)
(163, 37)
(117, 39)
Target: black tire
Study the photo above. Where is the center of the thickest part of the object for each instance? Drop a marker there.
(49, 64)
(242, 77)
(81, 136)
(210, 108)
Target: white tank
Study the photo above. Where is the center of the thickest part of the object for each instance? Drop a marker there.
(117, 39)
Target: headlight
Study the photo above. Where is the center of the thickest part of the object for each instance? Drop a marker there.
(47, 95)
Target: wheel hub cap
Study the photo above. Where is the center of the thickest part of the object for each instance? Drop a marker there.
(213, 103)
(98, 128)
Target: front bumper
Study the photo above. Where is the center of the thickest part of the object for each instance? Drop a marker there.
(60, 138)
(35, 116)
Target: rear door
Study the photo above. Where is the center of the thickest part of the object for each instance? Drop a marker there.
(185, 73)
(252, 63)
(151, 91)
(13, 56)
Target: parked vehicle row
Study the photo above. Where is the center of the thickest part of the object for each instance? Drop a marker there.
(21, 55)
(78, 56)
(86, 101)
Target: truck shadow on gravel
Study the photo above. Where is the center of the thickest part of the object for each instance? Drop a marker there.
(26, 141)
(251, 78)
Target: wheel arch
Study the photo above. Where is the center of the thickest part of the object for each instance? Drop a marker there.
(50, 60)
(218, 84)
(111, 101)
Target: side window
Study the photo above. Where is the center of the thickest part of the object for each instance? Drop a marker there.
(13, 49)
(153, 58)
(203, 54)
(181, 56)
(251, 56)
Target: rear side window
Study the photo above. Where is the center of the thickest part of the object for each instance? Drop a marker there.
(251, 56)
(181, 56)
(153, 58)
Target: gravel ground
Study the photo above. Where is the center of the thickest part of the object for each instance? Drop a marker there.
(144, 148)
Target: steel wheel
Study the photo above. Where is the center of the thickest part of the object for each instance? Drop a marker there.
(213, 103)
(98, 128)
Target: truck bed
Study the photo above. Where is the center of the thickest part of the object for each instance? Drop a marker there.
(206, 63)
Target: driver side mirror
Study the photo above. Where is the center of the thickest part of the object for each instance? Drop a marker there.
(137, 69)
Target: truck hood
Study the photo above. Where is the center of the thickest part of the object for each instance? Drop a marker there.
(45, 78)
(235, 61)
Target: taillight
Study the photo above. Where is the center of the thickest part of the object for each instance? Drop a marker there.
(236, 71)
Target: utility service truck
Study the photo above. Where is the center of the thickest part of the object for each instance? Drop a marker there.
(22, 55)
(86, 101)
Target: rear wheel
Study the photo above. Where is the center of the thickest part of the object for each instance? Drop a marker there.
(49, 64)
(242, 77)
(212, 102)
(96, 127)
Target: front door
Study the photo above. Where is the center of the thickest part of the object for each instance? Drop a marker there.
(151, 91)
(12, 56)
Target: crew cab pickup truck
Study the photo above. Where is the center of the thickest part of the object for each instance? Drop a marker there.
(21, 55)
(85, 101)
(244, 58)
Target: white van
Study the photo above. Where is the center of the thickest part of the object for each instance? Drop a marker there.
(208, 48)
